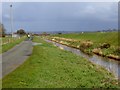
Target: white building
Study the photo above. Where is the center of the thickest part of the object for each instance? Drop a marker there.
(15, 35)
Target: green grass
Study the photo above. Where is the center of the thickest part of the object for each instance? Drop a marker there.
(10, 45)
(97, 37)
(6, 39)
(50, 67)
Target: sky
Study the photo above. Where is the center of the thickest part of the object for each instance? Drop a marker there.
(60, 16)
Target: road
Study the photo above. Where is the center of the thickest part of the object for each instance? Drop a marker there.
(15, 57)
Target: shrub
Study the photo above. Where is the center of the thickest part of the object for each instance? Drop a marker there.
(86, 44)
(105, 45)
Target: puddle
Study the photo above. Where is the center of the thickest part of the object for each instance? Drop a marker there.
(35, 44)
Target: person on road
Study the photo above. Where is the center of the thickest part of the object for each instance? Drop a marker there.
(28, 36)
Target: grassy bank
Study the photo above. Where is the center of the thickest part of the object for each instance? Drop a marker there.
(6, 47)
(97, 37)
(104, 44)
(51, 67)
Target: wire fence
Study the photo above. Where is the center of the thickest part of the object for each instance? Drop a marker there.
(7, 40)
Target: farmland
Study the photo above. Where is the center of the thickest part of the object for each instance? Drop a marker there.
(51, 67)
(104, 44)
(97, 37)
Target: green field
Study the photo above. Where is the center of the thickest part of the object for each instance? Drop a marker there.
(6, 47)
(90, 42)
(97, 37)
(51, 67)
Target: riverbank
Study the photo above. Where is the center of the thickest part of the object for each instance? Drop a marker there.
(102, 44)
(110, 65)
(51, 67)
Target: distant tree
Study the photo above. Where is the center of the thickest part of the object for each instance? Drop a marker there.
(21, 32)
(2, 30)
(114, 29)
(44, 33)
(59, 33)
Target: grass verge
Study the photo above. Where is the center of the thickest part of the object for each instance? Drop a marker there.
(50, 67)
(10, 45)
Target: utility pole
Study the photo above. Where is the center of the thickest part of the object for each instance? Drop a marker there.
(11, 20)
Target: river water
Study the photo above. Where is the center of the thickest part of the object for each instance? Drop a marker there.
(109, 64)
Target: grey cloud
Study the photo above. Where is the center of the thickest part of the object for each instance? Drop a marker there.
(50, 16)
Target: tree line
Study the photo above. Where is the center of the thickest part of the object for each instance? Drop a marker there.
(3, 31)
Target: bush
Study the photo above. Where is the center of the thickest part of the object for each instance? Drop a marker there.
(105, 45)
(86, 44)
(117, 51)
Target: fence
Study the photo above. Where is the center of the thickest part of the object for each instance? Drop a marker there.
(7, 40)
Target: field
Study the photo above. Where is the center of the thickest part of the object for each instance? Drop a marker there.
(102, 43)
(51, 67)
(97, 37)
(8, 43)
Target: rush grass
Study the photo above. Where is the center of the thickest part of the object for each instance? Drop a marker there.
(51, 67)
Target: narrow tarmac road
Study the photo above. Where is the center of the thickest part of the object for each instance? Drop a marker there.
(15, 57)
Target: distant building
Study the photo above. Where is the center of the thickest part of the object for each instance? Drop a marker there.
(15, 35)
(44, 34)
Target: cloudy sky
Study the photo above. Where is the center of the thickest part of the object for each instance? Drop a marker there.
(61, 16)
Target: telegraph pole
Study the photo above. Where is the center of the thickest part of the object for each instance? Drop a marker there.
(11, 20)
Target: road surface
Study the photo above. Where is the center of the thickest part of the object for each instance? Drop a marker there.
(15, 57)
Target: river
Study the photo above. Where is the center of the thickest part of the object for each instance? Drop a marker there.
(109, 64)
